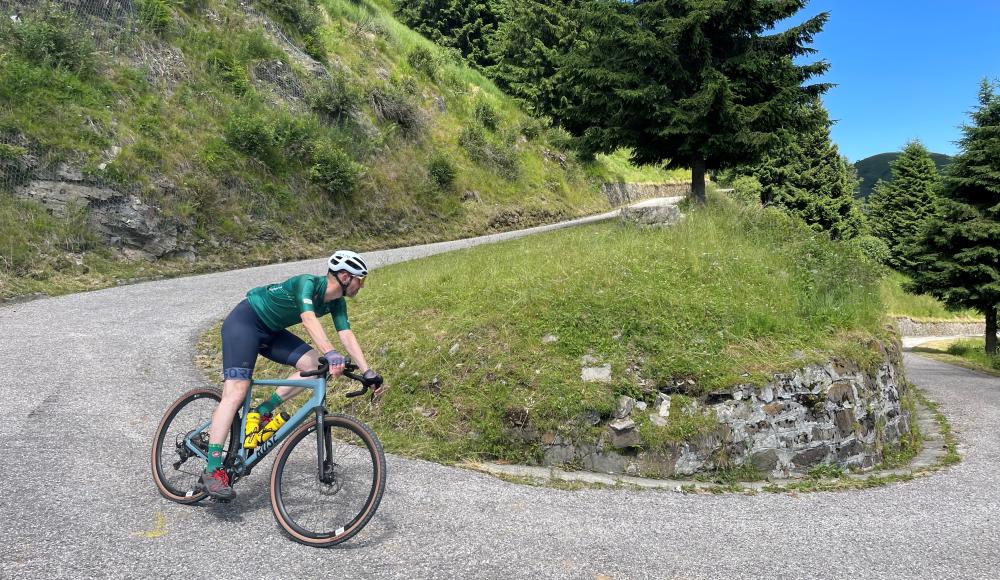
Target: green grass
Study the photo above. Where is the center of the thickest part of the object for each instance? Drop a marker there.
(616, 167)
(728, 296)
(966, 352)
(919, 307)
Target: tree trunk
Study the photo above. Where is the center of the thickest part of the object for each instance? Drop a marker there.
(698, 180)
(991, 330)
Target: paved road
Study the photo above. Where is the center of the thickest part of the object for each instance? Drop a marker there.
(78, 500)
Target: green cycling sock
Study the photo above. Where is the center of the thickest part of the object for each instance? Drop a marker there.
(269, 405)
(214, 457)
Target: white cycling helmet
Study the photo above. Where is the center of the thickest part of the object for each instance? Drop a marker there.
(348, 261)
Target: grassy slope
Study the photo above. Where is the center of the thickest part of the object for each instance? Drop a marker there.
(966, 352)
(730, 295)
(919, 307)
(241, 207)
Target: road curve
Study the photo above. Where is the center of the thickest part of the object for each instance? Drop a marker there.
(79, 500)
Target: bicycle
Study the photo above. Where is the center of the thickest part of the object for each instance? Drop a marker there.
(320, 497)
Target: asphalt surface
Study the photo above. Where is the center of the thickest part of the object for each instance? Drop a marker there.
(85, 378)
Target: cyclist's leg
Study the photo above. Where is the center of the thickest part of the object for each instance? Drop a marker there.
(286, 348)
(242, 336)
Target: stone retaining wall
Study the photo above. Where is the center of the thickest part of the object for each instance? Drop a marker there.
(834, 414)
(624, 193)
(908, 327)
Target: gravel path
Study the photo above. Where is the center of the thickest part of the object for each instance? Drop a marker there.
(79, 501)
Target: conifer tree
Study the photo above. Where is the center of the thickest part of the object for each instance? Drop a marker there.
(809, 178)
(463, 25)
(959, 257)
(898, 208)
(696, 83)
(531, 37)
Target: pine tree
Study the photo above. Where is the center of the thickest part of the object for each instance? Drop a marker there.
(531, 37)
(959, 258)
(463, 25)
(809, 178)
(696, 83)
(898, 208)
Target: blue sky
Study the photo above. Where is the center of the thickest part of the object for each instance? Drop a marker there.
(904, 69)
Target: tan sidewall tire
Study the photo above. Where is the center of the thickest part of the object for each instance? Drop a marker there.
(168, 416)
(373, 503)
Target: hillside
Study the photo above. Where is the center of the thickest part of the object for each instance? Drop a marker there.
(728, 296)
(871, 169)
(152, 137)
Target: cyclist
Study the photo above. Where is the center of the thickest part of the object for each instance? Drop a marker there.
(258, 326)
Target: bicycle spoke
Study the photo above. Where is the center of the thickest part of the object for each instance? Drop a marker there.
(178, 467)
(326, 508)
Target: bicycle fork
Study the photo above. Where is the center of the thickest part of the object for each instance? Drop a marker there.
(324, 450)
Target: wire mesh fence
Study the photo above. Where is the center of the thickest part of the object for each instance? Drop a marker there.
(109, 25)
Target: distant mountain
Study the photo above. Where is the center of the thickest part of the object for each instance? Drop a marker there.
(871, 169)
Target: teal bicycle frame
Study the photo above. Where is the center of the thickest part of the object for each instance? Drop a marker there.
(245, 459)
(240, 463)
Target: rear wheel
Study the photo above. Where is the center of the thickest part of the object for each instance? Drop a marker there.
(324, 507)
(176, 468)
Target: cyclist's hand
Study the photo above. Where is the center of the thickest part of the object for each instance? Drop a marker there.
(334, 358)
(373, 379)
(336, 362)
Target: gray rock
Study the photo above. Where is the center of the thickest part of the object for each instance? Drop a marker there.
(663, 405)
(601, 374)
(764, 461)
(625, 406)
(549, 338)
(591, 418)
(624, 434)
(658, 215)
(605, 462)
(657, 419)
(123, 221)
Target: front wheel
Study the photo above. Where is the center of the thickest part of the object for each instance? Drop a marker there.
(325, 505)
(176, 467)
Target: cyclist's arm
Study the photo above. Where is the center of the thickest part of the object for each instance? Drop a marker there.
(353, 348)
(316, 332)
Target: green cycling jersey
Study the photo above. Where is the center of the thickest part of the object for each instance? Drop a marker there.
(281, 305)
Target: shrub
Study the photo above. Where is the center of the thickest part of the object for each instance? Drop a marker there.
(487, 115)
(230, 70)
(252, 134)
(872, 248)
(153, 15)
(422, 60)
(335, 99)
(333, 170)
(392, 105)
(747, 190)
(533, 127)
(52, 38)
(293, 134)
(500, 157)
(255, 45)
(442, 172)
